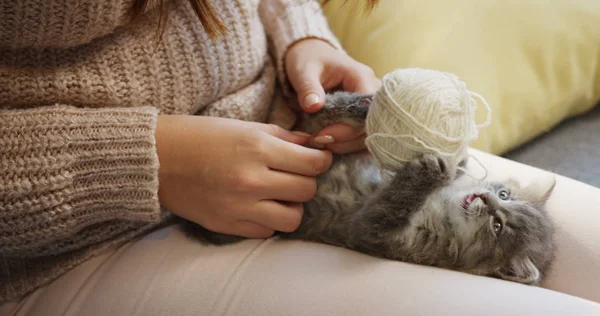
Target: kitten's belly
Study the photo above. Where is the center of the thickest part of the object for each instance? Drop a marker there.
(342, 190)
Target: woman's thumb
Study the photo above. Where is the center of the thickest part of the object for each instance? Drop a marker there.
(295, 137)
(311, 95)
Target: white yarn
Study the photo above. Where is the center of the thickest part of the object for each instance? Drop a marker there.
(419, 111)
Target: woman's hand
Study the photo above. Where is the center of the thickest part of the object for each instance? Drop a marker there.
(235, 177)
(313, 66)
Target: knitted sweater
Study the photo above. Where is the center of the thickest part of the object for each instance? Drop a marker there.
(80, 91)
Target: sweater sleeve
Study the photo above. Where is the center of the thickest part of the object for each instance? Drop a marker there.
(64, 168)
(288, 21)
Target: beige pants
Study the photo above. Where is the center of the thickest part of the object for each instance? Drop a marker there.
(166, 274)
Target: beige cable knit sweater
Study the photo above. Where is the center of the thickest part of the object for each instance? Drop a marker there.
(79, 96)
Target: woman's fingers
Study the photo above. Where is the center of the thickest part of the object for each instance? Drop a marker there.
(284, 151)
(279, 216)
(340, 139)
(337, 133)
(307, 85)
(352, 146)
(288, 187)
(249, 229)
(360, 78)
(283, 156)
(276, 131)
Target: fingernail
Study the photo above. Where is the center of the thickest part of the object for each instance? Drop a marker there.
(324, 140)
(311, 100)
(303, 134)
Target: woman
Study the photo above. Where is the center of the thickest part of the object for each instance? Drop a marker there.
(98, 124)
(112, 109)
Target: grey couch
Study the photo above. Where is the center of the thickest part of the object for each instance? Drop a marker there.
(571, 149)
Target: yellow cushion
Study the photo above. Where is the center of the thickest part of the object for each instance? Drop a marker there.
(536, 62)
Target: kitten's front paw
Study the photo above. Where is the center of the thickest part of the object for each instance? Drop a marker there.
(434, 167)
(340, 108)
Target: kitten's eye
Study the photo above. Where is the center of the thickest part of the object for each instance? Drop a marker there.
(497, 226)
(503, 194)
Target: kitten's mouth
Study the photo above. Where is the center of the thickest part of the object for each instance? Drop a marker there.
(471, 198)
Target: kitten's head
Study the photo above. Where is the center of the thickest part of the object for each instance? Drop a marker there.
(502, 228)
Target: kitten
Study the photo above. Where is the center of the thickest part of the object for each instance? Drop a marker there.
(426, 213)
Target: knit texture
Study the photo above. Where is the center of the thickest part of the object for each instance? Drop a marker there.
(80, 92)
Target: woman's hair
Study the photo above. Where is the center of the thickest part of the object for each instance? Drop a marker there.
(209, 19)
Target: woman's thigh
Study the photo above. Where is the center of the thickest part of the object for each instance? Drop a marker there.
(165, 273)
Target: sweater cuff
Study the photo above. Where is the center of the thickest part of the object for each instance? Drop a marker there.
(69, 168)
(289, 21)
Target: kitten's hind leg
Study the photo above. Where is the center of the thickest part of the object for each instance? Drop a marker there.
(340, 107)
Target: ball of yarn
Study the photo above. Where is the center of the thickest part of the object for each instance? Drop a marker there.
(419, 111)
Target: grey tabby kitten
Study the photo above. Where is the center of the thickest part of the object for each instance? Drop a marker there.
(427, 213)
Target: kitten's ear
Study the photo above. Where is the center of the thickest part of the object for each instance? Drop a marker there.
(541, 190)
(521, 270)
(551, 184)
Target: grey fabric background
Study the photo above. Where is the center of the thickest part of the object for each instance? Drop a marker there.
(571, 149)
